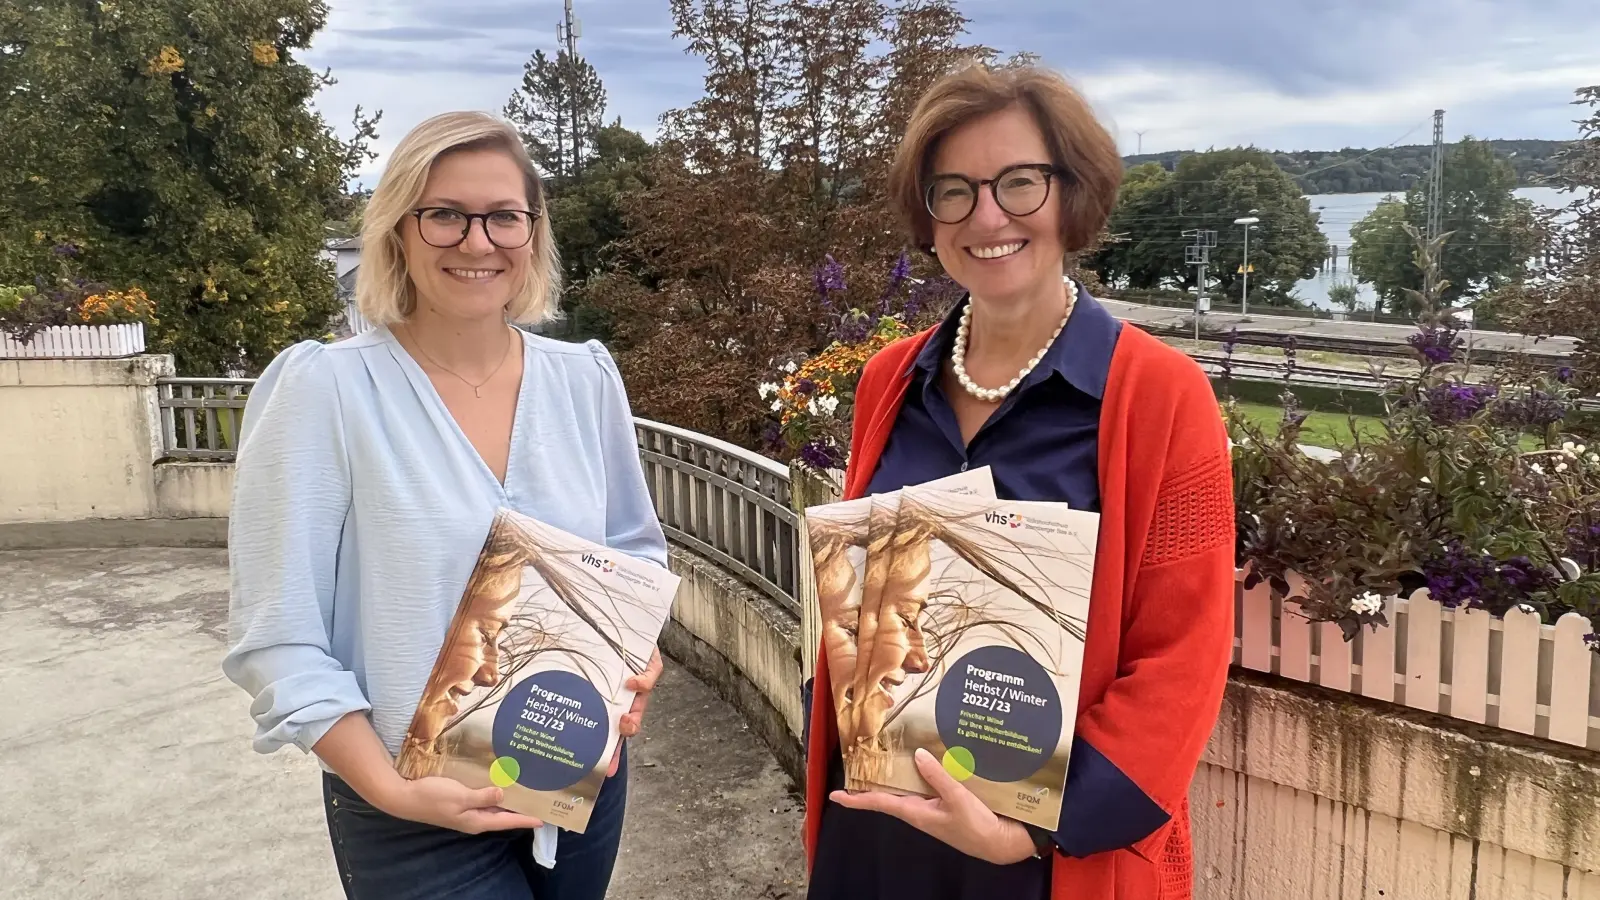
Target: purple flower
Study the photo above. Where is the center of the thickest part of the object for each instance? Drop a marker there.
(820, 455)
(1458, 577)
(66, 249)
(772, 438)
(804, 386)
(1532, 408)
(1454, 402)
(1583, 545)
(1564, 374)
(829, 277)
(1593, 640)
(897, 277)
(1436, 343)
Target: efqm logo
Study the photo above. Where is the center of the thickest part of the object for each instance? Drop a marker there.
(602, 563)
(1012, 520)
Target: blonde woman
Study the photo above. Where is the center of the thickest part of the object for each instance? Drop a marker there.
(369, 473)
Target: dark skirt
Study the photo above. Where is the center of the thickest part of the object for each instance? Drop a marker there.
(866, 855)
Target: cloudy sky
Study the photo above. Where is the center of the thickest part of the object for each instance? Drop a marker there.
(1280, 74)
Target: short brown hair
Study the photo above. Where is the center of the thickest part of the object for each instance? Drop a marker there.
(1078, 144)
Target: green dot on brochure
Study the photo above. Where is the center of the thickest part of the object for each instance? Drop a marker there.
(503, 772)
(959, 763)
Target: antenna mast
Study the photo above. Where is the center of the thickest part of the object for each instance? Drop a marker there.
(1435, 176)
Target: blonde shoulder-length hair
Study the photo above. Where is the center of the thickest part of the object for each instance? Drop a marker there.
(384, 292)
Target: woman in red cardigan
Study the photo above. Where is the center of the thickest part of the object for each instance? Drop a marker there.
(1005, 175)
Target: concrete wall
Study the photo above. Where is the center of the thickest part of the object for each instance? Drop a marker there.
(80, 436)
(1304, 793)
(743, 645)
(193, 490)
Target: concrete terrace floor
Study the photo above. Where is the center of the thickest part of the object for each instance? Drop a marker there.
(129, 772)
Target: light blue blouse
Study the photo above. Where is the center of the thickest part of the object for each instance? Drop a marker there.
(359, 508)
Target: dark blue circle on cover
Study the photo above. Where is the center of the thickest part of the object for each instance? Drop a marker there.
(554, 724)
(1002, 707)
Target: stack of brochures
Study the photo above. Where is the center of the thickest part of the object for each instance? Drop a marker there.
(528, 689)
(954, 622)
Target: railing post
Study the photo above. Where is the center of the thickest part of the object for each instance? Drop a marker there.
(807, 488)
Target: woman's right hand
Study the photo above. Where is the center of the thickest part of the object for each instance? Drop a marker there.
(448, 803)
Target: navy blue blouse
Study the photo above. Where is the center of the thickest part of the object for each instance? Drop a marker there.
(1042, 444)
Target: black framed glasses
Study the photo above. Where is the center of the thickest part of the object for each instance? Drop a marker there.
(443, 227)
(1020, 190)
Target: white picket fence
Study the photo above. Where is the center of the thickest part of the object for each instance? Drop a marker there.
(1513, 673)
(77, 342)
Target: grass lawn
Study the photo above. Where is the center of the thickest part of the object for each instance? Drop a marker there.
(1321, 429)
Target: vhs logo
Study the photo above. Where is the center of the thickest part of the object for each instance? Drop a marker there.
(1012, 520)
(604, 564)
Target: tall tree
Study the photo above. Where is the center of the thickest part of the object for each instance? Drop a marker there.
(1563, 296)
(1491, 232)
(559, 109)
(174, 141)
(779, 164)
(1208, 191)
(587, 217)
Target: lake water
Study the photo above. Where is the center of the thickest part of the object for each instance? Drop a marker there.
(1340, 211)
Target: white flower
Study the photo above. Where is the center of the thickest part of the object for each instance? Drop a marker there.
(1366, 604)
(1561, 467)
(829, 404)
(1426, 480)
(790, 367)
(768, 389)
(1592, 458)
(777, 406)
(811, 407)
(1535, 468)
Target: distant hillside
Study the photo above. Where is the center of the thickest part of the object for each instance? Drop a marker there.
(1354, 170)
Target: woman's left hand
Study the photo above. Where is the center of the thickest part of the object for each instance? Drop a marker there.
(642, 684)
(956, 816)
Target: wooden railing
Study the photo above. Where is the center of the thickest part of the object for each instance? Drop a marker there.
(1513, 673)
(200, 417)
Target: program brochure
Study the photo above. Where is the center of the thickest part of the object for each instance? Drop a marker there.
(841, 539)
(529, 686)
(977, 651)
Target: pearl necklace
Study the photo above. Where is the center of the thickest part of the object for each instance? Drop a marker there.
(958, 355)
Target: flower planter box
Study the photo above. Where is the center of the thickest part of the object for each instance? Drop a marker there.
(1514, 673)
(78, 342)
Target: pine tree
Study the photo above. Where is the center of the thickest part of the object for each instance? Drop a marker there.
(559, 109)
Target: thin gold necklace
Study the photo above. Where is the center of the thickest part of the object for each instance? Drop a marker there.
(475, 387)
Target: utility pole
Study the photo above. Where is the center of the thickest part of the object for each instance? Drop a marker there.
(1436, 176)
(567, 32)
(1199, 254)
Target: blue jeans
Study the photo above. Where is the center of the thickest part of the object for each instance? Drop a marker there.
(381, 857)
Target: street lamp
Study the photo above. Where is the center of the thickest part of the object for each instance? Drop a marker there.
(1249, 223)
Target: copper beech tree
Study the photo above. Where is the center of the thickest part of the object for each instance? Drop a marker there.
(778, 166)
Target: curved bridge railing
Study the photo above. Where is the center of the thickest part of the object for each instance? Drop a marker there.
(725, 503)
(716, 499)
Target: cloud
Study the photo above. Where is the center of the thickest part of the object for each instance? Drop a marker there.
(1281, 74)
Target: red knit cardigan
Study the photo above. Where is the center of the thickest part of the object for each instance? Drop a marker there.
(1160, 630)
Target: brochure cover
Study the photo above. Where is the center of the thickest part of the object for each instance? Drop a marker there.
(527, 691)
(838, 537)
(978, 648)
